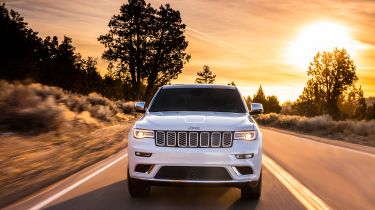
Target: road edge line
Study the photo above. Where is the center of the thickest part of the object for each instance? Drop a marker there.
(75, 185)
(302, 193)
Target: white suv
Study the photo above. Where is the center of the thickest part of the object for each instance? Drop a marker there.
(196, 134)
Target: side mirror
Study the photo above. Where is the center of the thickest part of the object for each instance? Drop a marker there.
(256, 108)
(140, 106)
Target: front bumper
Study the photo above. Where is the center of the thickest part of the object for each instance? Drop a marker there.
(232, 183)
(202, 157)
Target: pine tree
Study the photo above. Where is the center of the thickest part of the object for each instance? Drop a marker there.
(205, 76)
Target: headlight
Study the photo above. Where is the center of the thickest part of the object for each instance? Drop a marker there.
(141, 134)
(245, 135)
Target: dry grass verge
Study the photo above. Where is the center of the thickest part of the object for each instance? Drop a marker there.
(359, 132)
(47, 134)
(31, 163)
(34, 109)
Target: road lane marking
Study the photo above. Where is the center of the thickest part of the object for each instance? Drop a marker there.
(303, 195)
(75, 185)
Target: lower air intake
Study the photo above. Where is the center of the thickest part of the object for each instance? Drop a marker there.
(194, 173)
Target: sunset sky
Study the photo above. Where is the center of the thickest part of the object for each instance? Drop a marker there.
(250, 42)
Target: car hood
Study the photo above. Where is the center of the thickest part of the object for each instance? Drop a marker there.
(196, 121)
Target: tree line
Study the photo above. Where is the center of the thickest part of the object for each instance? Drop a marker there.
(330, 90)
(27, 57)
(145, 49)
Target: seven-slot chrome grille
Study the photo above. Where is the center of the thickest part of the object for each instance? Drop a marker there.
(193, 139)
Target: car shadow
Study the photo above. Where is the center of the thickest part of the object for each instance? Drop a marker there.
(116, 196)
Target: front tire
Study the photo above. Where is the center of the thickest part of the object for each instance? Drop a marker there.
(252, 191)
(137, 188)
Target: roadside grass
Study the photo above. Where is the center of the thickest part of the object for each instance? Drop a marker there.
(353, 131)
(47, 134)
(34, 109)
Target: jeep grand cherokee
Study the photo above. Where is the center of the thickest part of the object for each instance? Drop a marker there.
(196, 134)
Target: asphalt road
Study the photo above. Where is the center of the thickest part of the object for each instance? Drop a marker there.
(341, 177)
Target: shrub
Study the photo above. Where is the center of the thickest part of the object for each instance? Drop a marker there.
(37, 108)
(323, 125)
(126, 107)
(24, 111)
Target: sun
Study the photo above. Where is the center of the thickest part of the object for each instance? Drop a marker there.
(320, 36)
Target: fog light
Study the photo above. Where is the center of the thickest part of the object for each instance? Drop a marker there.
(242, 170)
(144, 168)
(244, 156)
(143, 154)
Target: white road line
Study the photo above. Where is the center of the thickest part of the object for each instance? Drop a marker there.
(75, 185)
(304, 195)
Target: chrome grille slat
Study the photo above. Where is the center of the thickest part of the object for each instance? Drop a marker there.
(215, 139)
(182, 139)
(193, 139)
(203, 139)
(160, 138)
(171, 139)
(227, 139)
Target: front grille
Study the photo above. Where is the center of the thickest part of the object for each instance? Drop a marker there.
(193, 139)
(193, 173)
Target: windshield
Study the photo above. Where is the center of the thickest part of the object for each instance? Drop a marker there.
(198, 99)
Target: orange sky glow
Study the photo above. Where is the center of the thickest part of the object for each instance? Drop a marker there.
(250, 42)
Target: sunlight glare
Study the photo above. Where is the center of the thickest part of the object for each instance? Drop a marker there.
(321, 36)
